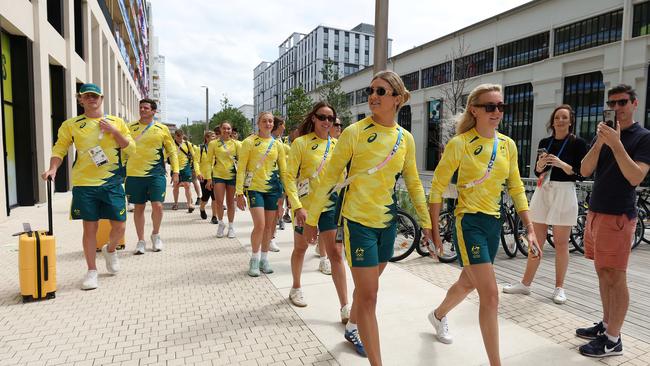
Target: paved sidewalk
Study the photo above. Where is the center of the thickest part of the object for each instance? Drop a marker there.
(194, 304)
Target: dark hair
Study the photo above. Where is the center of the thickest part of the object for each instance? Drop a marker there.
(572, 119)
(307, 125)
(277, 121)
(622, 88)
(179, 132)
(217, 129)
(151, 102)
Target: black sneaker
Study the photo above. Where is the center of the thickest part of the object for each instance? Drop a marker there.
(203, 214)
(591, 333)
(286, 218)
(602, 347)
(198, 201)
(214, 220)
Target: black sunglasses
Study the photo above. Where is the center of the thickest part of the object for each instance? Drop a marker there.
(380, 91)
(620, 102)
(492, 107)
(337, 125)
(322, 117)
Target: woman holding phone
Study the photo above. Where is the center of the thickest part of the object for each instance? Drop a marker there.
(554, 201)
(485, 160)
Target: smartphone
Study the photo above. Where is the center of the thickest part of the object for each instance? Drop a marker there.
(541, 151)
(609, 117)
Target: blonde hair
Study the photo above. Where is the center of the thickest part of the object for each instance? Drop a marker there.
(259, 116)
(466, 121)
(396, 84)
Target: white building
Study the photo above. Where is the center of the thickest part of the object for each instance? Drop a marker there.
(50, 48)
(158, 91)
(545, 53)
(301, 58)
(248, 110)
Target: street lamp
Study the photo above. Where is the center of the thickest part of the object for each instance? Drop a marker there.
(207, 121)
(381, 35)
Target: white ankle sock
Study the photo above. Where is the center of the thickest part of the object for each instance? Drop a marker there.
(605, 324)
(350, 326)
(230, 225)
(256, 255)
(265, 255)
(611, 338)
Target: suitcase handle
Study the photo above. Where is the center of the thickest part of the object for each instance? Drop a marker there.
(46, 275)
(49, 206)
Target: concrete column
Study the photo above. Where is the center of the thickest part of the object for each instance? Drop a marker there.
(381, 35)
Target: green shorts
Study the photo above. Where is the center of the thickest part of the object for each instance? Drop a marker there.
(228, 182)
(477, 238)
(268, 200)
(139, 190)
(368, 246)
(326, 222)
(185, 175)
(100, 202)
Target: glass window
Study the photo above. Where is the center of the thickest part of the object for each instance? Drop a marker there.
(434, 146)
(361, 116)
(518, 122)
(411, 80)
(349, 99)
(404, 117)
(476, 64)
(361, 96)
(523, 51)
(641, 20)
(592, 32)
(586, 95)
(436, 75)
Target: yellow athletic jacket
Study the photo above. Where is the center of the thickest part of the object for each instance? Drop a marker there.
(268, 177)
(223, 155)
(152, 147)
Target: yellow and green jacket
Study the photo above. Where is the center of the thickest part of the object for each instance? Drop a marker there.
(186, 152)
(152, 147)
(224, 156)
(268, 177)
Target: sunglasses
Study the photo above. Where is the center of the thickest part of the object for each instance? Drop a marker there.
(380, 91)
(337, 125)
(322, 117)
(620, 102)
(491, 107)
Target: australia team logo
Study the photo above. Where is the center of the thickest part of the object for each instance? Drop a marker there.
(359, 253)
(476, 251)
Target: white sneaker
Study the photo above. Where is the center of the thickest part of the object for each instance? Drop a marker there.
(296, 298)
(157, 242)
(559, 297)
(316, 250)
(345, 313)
(220, 229)
(112, 262)
(140, 247)
(231, 232)
(274, 247)
(90, 281)
(325, 266)
(441, 327)
(516, 288)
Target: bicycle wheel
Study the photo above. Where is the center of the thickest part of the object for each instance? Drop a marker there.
(507, 228)
(447, 223)
(578, 232)
(638, 232)
(408, 236)
(519, 233)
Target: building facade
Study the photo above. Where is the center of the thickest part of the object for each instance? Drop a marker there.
(49, 49)
(544, 53)
(157, 80)
(301, 57)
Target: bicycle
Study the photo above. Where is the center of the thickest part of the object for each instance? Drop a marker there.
(408, 237)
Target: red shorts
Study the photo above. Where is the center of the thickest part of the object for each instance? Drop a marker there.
(608, 240)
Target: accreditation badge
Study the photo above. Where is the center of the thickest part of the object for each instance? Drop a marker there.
(303, 188)
(98, 156)
(248, 180)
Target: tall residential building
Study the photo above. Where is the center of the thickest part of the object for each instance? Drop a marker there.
(158, 90)
(544, 53)
(301, 58)
(50, 48)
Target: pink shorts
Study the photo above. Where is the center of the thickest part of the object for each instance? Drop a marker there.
(608, 239)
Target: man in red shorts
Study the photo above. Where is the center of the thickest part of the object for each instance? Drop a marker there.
(620, 158)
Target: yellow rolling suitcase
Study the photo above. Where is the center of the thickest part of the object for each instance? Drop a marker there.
(37, 259)
(103, 234)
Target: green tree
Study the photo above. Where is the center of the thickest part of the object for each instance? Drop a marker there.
(236, 118)
(332, 93)
(298, 105)
(194, 131)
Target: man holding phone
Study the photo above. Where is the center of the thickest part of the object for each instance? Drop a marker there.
(620, 158)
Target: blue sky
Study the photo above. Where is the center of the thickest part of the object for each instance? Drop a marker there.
(218, 43)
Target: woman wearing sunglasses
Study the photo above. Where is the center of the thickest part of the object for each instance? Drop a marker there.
(260, 174)
(223, 152)
(554, 201)
(375, 151)
(485, 160)
(310, 153)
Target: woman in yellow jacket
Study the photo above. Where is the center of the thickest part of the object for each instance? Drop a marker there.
(205, 164)
(377, 151)
(223, 152)
(260, 175)
(188, 163)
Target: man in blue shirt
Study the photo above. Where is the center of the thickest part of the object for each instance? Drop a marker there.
(620, 158)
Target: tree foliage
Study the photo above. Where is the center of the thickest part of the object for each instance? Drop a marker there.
(332, 93)
(233, 115)
(194, 131)
(298, 105)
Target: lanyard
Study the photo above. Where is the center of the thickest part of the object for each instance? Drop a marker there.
(489, 167)
(101, 133)
(268, 150)
(322, 163)
(561, 149)
(143, 131)
(376, 168)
